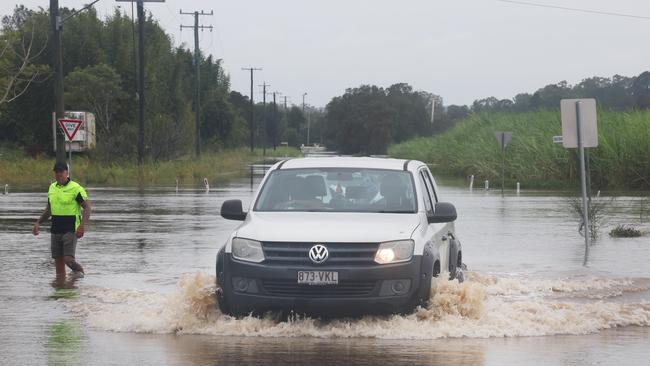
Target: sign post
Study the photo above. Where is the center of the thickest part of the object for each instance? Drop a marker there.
(503, 138)
(579, 130)
(70, 128)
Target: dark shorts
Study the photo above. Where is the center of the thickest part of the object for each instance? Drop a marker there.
(64, 244)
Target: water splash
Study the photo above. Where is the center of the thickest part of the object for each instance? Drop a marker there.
(483, 306)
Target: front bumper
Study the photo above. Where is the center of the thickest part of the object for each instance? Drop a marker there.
(368, 289)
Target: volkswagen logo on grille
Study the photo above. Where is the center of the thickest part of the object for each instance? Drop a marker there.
(318, 253)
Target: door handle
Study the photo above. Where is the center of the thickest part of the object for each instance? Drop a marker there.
(444, 238)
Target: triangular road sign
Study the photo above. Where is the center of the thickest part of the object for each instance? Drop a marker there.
(70, 127)
(503, 138)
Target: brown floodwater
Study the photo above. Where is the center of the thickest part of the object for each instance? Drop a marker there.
(148, 297)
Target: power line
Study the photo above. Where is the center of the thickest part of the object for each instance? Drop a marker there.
(575, 9)
(178, 20)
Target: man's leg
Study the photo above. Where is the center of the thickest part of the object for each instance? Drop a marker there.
(59, 264)
(57, 254)
(69, 248)
(70, 262)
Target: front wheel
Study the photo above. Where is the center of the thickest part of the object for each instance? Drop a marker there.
(222, 301)
(220, 294)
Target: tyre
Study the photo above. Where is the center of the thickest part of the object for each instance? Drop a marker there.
(222, 301)
(220, 294)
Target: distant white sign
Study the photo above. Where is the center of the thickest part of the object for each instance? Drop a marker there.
(588, 122)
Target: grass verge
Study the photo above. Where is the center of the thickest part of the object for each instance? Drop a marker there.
(621, 160)
(18, 170)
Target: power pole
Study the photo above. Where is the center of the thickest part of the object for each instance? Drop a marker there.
(286, 112)
(252, 123)
(197, 72)
(57, 59)
(303, 114)
(275, 120)
(264, 85)
(140, 68)
(140, 82)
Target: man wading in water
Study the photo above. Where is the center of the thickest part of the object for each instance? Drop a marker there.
(65, 198)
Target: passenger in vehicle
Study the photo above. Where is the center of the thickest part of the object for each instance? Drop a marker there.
(393, 192)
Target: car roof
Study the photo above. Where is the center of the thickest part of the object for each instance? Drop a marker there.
(349, 162)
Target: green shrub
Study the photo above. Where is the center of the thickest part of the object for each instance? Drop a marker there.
(625, 231)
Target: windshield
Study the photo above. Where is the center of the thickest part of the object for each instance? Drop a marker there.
(338, 190)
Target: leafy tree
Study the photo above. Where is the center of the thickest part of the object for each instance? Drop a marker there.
(411, 111)
(550, 95)
(99, 68)
(296, 119)
(96, 89)
(360, 121)
(641, 90)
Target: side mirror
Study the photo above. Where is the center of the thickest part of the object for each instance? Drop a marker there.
(444, 212)
(232, 210)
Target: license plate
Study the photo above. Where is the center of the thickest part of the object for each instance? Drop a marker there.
(318, 277)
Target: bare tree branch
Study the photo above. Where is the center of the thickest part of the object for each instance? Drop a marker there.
(19, 80)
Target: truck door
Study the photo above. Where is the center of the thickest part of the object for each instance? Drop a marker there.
(437, 233)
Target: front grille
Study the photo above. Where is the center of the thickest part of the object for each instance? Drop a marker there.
(343, 289)
(295, 253)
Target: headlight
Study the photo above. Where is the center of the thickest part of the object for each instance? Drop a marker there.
(247, 250)
(394, 252)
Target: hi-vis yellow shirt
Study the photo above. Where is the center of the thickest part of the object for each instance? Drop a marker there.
(65, 206)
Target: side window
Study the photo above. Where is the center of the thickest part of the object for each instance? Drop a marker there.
(429, 181)
(426, 192)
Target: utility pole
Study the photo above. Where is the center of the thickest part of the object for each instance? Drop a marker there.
(140, 62)
(252, 123)
(303, 114)
(264, 85)
(275, 120)
(57, 58)
(55, 19)
(197, 72)
(140, 82)
(286, 112)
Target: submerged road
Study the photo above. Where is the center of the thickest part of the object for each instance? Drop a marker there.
(148, 299)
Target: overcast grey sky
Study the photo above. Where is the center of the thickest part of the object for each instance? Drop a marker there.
(460, 49)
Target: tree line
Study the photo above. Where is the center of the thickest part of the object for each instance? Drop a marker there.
(369, 118)
(99, 66)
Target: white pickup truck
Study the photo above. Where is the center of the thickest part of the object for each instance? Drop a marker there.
(338, 236)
